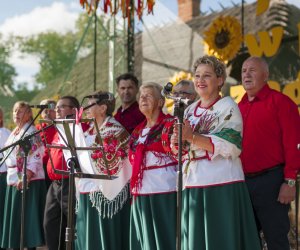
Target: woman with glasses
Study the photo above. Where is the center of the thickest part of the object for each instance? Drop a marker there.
(103, 206)
(217, 212)
(35, 189)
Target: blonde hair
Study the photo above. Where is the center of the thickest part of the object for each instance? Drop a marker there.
(217, 65)
(23, 104)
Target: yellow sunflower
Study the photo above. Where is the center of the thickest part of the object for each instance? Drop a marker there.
(223, 38)
(178, 76)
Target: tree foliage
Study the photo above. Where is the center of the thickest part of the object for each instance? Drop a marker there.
(55, 52)
(7, 71)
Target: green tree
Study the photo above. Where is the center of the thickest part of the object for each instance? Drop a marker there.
(55, 52)
(7, 71)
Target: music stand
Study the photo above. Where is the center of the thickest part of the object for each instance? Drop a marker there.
(76, 153)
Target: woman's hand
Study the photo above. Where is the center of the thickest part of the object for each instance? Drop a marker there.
(187, 132)
(29, 175)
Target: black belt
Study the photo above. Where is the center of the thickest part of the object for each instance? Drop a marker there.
(265, 171)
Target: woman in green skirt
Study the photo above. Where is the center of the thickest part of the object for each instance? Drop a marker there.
(153, 181)
(217, 212)
(35, 191)
(102, 221)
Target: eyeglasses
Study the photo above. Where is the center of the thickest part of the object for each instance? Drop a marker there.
(181, 93)
(64, 106)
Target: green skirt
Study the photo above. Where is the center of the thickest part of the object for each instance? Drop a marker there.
(34, 209)
(2, 199)
(219, 217)
(97, 233)
(153, 222)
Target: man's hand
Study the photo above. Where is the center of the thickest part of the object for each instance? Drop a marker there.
(286, 194)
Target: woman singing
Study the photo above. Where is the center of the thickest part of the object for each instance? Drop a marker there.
(217, 212)
(153, 182)
(104, 207)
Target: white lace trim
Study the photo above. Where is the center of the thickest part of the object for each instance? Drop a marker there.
(111, 207)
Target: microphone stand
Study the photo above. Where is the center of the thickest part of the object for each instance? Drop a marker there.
(179, 105)
(24, 143)
(178, 112)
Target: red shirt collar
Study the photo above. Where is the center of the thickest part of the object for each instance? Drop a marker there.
(261, 95)
(131, 107)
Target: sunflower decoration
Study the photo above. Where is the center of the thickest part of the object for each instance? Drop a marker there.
(176, 78)
(223, 38)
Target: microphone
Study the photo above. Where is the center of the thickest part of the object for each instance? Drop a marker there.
(167, 91)
(103, 96)
(44, 106)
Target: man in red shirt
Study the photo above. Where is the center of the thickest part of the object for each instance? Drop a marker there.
(270, 157)
(128, 114)
(56, 207)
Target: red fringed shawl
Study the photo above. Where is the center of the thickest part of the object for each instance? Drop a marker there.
(152, 143)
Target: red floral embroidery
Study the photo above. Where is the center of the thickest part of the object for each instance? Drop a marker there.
(112, 151)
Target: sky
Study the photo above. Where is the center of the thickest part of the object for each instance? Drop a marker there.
(60, 15)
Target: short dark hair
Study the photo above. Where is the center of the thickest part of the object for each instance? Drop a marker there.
(127, 76)
(110, 104)
(73, 101)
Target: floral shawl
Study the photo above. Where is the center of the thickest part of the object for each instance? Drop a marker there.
(15, 160)
(152, 143)
(111, 156)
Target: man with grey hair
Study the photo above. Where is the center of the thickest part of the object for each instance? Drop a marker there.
(185, 89)
(269, 156)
